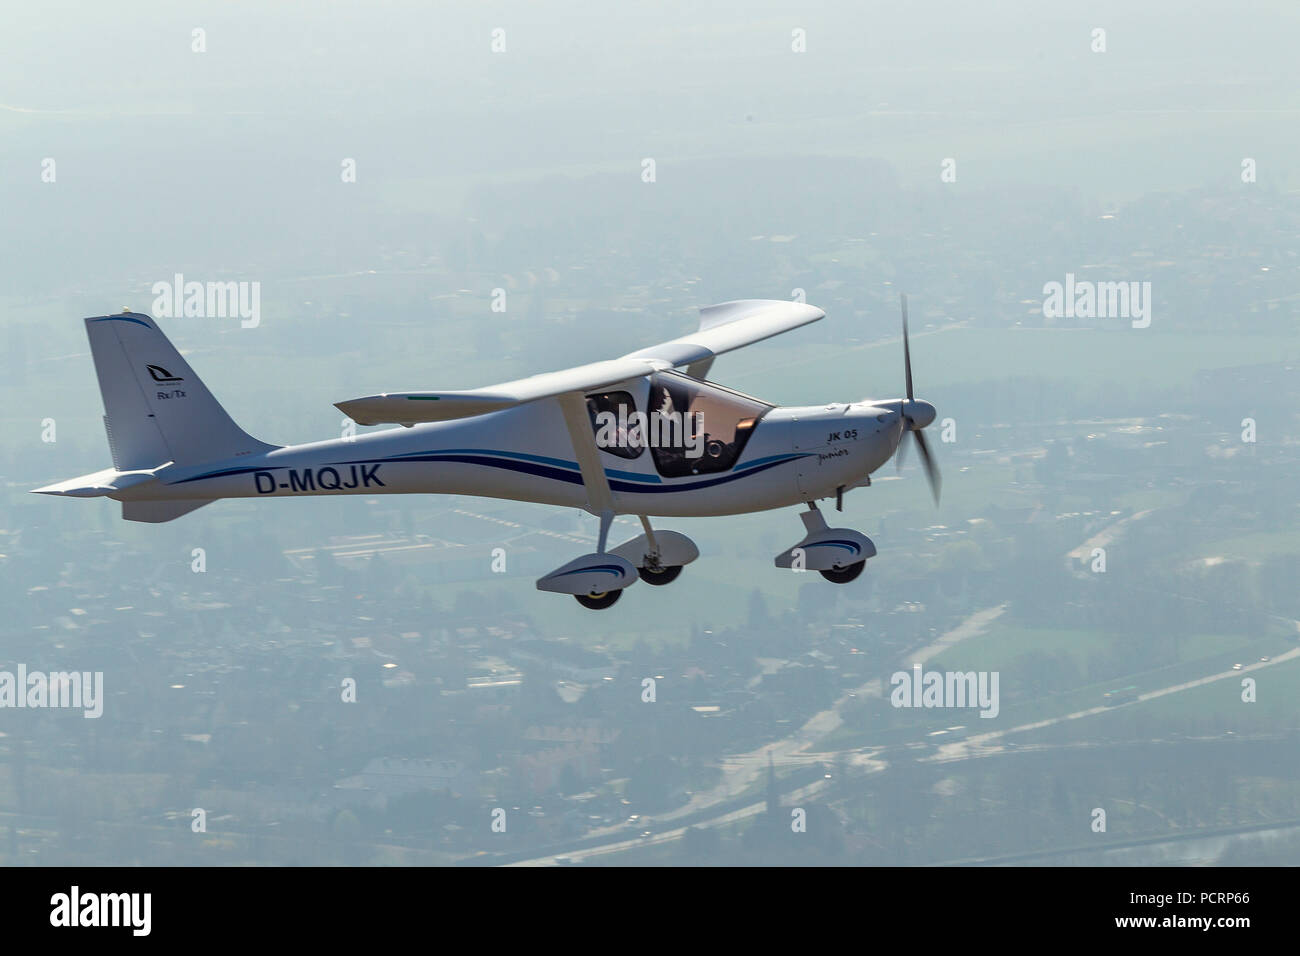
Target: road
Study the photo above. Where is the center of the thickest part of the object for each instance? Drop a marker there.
(973, 626)
(795, 749)
(741, 771)
(1081, 556)
(964, 749)
(668, 836)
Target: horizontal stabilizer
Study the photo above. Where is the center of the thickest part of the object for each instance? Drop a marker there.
(156, 512)
(100, 483)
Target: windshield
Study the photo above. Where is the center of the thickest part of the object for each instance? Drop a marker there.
(614, 421)
(697, 427)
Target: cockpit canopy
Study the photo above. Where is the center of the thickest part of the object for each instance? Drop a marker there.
(691, 427)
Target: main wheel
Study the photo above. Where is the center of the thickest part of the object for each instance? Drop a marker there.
(844, 575)
(660, 577)
(598, 602)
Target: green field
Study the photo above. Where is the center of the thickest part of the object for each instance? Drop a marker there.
(1252, 547)
(1277, 689)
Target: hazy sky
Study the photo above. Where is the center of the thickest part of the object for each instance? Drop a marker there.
(229, 159)
(415, 86)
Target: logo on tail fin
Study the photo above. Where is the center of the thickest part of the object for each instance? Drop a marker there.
(160, 374)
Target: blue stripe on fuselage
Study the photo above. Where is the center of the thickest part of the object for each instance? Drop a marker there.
(531, 465)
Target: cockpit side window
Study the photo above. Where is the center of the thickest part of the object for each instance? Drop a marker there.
(615, 424)
(696, 427)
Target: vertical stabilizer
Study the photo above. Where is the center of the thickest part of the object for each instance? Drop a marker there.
(157, 409)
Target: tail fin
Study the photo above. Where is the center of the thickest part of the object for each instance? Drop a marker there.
(157, 409)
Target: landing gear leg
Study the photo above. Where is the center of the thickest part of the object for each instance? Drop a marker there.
(606, 519)
(650, 536)
(653, 571)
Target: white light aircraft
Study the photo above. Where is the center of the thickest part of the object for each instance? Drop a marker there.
(642, 435)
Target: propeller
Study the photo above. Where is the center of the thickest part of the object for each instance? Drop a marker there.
(916, 415)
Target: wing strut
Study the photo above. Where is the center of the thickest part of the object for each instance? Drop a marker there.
(701, 368)
(600, 500)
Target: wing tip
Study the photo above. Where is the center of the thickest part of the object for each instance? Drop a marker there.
(724, 313)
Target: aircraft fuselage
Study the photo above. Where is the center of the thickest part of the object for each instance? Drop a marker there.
(793, 455)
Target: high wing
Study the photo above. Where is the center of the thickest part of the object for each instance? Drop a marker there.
(732, 325)
(723, 327)
(409, 408)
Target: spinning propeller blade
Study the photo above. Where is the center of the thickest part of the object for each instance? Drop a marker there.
(931, 469)
(907, 352)
(908, 410)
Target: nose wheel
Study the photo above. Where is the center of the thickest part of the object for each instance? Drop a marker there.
(844, 575)
(598, 602)
(837, 554)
